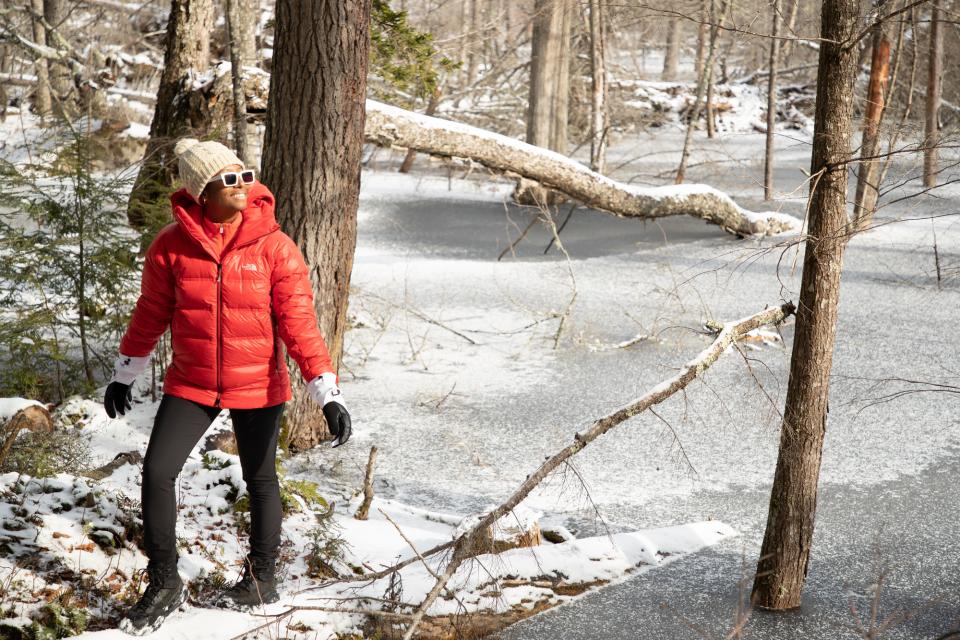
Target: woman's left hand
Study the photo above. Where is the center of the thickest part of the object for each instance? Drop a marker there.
(338, 420)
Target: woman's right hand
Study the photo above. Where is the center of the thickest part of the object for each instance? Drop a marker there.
(117, 399)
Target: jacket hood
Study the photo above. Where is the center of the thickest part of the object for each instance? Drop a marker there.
(258, 217)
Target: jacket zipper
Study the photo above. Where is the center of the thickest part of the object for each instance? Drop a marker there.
(219, 329)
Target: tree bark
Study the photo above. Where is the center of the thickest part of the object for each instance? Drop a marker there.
(311, 161)
(934, 74)
(61, 80)
(671, 54)
(771, 101)
(791, 28)
(706, 69)
(42, 101)
(598, 78)
(240, 33)
(432, 105)
(869, 168)
(784, 558)
(561, 96)
(702, 35)
(185, 56)
(548, 75)
(388, 125)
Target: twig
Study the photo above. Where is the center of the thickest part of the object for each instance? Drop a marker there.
(364, 509)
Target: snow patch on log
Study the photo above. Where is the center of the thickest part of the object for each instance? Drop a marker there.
(393, 126)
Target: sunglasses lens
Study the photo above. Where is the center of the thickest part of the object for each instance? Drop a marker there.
(230, 179)
(247, 176)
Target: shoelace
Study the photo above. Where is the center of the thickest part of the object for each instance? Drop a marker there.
(151, 592)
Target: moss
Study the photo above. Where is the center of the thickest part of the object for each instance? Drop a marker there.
(60, 618)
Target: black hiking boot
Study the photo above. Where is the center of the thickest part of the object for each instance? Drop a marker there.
(257, 586)
(163, 596)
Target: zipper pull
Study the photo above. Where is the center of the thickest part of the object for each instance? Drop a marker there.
(219, 272)
(221, 229)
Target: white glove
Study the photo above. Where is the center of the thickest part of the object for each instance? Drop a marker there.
(127, 368)
(324, 389)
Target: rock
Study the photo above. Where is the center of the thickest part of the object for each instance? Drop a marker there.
(31, 418)
(130, 457)
(222, 441)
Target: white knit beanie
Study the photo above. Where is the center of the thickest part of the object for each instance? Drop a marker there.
(200, 161)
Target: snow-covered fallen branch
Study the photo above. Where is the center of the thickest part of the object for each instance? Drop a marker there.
(727, 336)
(393, 126)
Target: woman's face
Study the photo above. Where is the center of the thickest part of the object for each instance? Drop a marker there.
(222, 202)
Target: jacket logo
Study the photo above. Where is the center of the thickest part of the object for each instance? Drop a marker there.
(249, 267)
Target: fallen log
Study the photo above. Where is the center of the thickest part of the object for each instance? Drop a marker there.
(392, 126)
(730, 333)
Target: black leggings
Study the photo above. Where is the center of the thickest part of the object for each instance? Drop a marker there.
(178, 427)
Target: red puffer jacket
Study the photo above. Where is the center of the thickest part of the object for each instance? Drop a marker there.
(226, 313)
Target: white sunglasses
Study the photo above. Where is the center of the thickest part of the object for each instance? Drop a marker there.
(233, 178)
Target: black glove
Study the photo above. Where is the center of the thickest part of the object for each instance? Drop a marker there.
(338, 421)
(117, 399)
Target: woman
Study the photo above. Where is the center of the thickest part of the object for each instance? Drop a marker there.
(231, 286)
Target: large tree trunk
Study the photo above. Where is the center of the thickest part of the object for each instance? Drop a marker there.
(785, 554)
(771, 101)
(671, 54)
(311, 161)
(598, 78)
(185, 56)
(240, 33)
(41, 95)
(548, 75)
(388, 125)
(934, 73)
(869, 169)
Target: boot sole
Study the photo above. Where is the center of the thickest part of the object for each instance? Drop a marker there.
(126, 625)
(228, 603)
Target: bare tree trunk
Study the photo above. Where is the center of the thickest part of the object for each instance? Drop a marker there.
(240, 33)
(771, 101)
(791, 28)
(784, 557)
(61, 80)
(598, 76)
(42, 101)
(868, 171)
(671, 54)
(315, 123)
(544, 70)
(408, 159)
(184, 57)
(702, 35)
(561, 96)
(703, 79)
(473, 39)
(910, 91)
(548, 75)
(934, 74)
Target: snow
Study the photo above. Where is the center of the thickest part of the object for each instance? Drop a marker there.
(10, 406)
